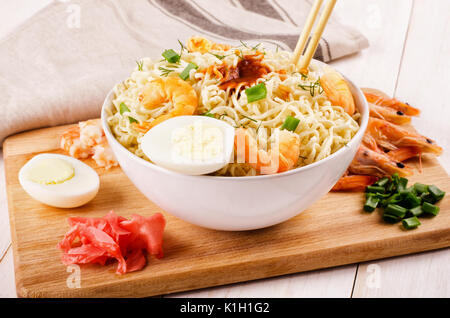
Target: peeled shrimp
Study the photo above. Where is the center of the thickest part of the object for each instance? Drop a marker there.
(162, 90)
(390, 136)
(282, 157)
(202, 45)
(337, 90)
(86, 140)
(379, 98)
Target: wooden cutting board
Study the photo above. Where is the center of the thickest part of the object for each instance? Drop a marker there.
(334, 231)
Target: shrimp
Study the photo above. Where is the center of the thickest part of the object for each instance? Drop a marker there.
(88, 140)
(377, 97)
(162, 90)
(390, 136)
(404, 153)
(337, 90)
(354, 183)
(202, 45)
(70, 142)
(282, 157)
(369, 162)
(389, 114)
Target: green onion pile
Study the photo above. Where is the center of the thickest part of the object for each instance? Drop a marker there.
(401, 203)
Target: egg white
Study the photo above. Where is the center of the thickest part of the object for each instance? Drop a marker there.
(78, 190)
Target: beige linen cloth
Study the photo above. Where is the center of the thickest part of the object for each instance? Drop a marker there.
(59, 65)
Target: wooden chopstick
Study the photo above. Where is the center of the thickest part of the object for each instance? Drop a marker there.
(301, 43)
(315, 38)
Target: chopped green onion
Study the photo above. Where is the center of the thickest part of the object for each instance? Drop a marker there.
(185, 73)
(123, 108)
(427, 197)
(410, 223)
(390, 218)
(256, 92)
(420, 188)
(395, 210)
(382, 182)
(209, 114)
(171, 56)
(393, 199)
(415, 211)
(371, 203)
(290, 123)
(410, 200)
(375, 189)
(402, 182)
(436, 193)
(430, 208)
(401, 203)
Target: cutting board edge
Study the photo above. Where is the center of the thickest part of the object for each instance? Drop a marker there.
(438, 239)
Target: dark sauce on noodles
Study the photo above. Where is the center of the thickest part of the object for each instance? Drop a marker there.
(248, 70)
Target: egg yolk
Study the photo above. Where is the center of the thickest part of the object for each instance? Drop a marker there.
(50, 171)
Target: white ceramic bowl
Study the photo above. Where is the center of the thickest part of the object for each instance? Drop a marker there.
(237, 203)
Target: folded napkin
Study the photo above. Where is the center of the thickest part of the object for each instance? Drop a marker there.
(58, 66)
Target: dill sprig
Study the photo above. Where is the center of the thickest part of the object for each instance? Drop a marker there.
(259, 126)
(140, 65)
(220, 57)
(254, 120)
(165, 71)
(244, 44)
(254, 48)
(312, 87)
(182, 47)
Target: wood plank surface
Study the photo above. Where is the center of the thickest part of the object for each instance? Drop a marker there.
(332, 232)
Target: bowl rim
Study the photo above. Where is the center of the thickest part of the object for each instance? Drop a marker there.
(364, 119)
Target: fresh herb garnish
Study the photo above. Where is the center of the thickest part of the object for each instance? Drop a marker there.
(290, 123)
(171, 56)
(184, 75)
(256, 92)
(220, 57)
(312, 87)
(260, 123)
(209, 114)
(165, 71)
(122, 109)
(244, 44)
(254, 120)
(182, 47)
(132, 120)
(140, 65)
(254, 48)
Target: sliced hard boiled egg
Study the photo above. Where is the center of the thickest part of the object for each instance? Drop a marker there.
(191, 145)
(59, 181)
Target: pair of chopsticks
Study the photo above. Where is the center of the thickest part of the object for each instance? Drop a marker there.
(302, 61)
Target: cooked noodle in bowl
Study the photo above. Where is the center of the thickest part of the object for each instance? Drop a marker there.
(279, 114)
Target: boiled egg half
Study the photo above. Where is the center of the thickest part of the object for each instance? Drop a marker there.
(59, 181)
(191, 145)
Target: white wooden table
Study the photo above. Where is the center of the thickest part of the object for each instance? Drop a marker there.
(409, 57)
